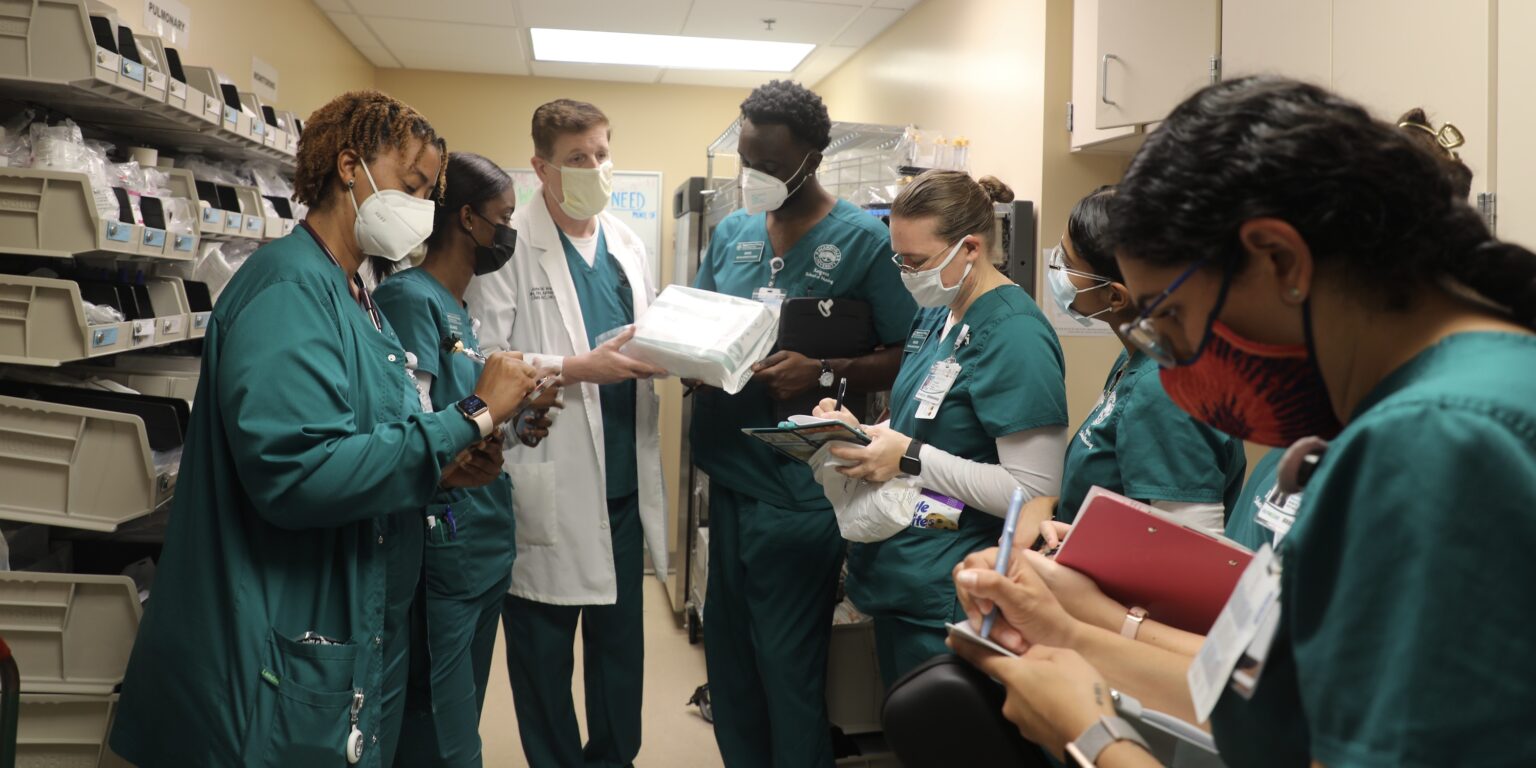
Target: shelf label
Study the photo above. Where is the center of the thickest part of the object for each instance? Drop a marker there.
(170, 19)
(231, 116)
(253, 224)
(177, 89)
(117, 231)
(154, 238)
(154, 79)
(233, 221)
(109, 61)
(200, 320)
(211, 215)
(144, 331)
(103, 337)
(173, 324)
(212, 106)
(186, 243)
(133, 71)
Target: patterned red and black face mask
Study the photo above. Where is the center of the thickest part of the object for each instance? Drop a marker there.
(1269, 394)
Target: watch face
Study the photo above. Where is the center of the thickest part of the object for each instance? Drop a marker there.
(472, 405)
(826, 378)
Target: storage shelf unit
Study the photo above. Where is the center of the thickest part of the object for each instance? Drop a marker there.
(63, 730)
(42, 321)
(151, 374)
(54, 214)
(51, 54)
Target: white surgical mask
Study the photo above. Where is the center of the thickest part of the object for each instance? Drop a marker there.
(761, 192)
(1065, 292)
(587, 190)
(390, 223)
(927, 287)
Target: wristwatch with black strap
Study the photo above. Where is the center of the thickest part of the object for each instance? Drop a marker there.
(827, 377)
(1084, 751)
(910, 463)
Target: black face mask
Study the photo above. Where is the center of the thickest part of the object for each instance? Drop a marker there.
(489, 258)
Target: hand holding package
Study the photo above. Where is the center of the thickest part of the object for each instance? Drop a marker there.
(704, 335)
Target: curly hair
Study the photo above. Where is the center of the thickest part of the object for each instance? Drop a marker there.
(786, 103)
(366, 122)
(1370, 202)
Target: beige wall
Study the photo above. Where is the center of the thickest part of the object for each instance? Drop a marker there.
(655, 128)
(314, 61)
(999, 73)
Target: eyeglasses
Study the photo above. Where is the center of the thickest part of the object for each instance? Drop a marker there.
(1058, 260)
(1145, 336)
(901, 261)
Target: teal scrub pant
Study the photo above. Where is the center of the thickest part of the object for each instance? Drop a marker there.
(901, 646)
(405, 542)
(767, 627)
(541, 661)
(452, 647)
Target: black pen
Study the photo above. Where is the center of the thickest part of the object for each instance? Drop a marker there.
(842, 389)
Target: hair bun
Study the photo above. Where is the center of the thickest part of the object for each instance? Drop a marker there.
(996, 189)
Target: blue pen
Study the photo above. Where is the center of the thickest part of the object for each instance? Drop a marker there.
(453, 525)
(1005, 549)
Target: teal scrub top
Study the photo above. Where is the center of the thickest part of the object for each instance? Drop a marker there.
(847, 254)
(1243, 526)
(476, 552)
(1406, 597)
(606, 303)
(306, 458)
(1012, 379)
(1137, 443)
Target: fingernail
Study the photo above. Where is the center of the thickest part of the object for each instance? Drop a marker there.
(966, 579)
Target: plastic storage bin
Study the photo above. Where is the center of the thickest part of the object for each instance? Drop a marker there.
(77, 467)
(253, 214)
(53, 213)
(159, 375)
(63, 731)
(855, 693)
(71, 633)
(42, 322)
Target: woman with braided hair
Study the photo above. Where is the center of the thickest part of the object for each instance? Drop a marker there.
(276, 635)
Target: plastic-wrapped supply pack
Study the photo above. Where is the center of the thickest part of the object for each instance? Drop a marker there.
(866, 512)
(218, 262)
(61, 147)
(704, 335)
(16, 140)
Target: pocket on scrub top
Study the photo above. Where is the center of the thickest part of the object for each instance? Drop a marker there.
(533, 504)
(445, 560)
(303, 705)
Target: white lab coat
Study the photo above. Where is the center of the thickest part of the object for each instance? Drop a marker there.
(564, 547)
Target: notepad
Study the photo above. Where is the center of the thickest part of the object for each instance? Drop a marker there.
(801, 436)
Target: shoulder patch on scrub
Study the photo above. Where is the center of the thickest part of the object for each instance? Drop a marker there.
(827, 256)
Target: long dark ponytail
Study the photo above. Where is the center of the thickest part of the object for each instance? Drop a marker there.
(1370, 202)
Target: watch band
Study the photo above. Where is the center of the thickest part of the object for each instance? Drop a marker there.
(484, 422)
(911, 463)
(1133, 619)
(1085, 749)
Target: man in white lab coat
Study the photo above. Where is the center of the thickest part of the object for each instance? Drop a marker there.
(585, 496)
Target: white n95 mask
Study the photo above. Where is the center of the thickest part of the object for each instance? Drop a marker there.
(761, 192)
(927, 287)
(390, 223)
(587, 190)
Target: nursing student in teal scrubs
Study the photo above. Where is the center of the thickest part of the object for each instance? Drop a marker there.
(1304, 269)
(995, 420)
(276, 633)
(1136, 442)
(775, 551)
(469, 537)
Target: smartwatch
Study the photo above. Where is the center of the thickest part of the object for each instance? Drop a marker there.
(475, 410)
(910, 463)
(1133, 619)
(1084, 751)
(826, 375)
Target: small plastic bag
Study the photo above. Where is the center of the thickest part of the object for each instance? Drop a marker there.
(866, 512)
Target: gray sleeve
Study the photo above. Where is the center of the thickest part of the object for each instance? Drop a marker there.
(1031, 459)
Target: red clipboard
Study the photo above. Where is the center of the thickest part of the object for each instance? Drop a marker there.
(1181, 575)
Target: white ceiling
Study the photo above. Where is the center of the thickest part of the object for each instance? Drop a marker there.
(491, 36)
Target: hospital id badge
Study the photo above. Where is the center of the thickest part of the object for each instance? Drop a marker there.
(1277, 512)
(1242, 619)
(936, 387)
(770, 297)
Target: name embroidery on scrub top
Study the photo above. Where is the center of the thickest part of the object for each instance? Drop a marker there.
(749, 253)
(940, 378)
(1105, 406)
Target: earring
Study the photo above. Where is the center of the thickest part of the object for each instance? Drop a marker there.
(1295, 294)
(349, 184)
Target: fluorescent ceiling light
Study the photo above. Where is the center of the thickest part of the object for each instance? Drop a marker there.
(668, 51)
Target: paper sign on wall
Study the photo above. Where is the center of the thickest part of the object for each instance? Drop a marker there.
(170, 19)
(636, 200)
(264, 81)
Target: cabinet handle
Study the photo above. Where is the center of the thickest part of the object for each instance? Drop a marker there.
(1104, 78)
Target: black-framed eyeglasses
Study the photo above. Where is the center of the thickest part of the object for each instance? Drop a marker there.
(1143, 333)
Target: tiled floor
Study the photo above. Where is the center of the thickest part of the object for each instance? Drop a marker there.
(674, 737)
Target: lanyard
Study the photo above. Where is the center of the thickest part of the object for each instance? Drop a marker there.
(961, 339)
(362, 297)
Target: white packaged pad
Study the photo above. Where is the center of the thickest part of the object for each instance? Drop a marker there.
(704, 335)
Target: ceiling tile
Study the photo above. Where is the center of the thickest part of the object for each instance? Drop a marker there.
(378, 56)
(867, 27)
(452, 47)
(822, 62)
(717, 78)
(905, 5)
(651, 17)
(796, 22)
(495, 12)
(355, 30)
(339, 6)
(615, 72)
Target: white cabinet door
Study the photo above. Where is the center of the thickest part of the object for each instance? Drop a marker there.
(1151, 56)
(1293, 38)
(1516, 154)
(1393, 55)
(1085, 73)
